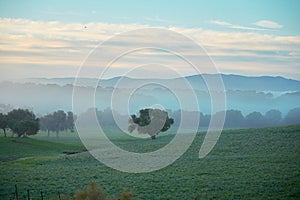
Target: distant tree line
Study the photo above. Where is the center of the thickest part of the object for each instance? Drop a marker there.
(234, 118)
(57, 121)
(23, 122)
(105, 117)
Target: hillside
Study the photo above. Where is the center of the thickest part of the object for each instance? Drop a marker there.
(242, 96)
(231, 82)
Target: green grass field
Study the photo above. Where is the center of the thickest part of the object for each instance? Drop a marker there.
(245, 164)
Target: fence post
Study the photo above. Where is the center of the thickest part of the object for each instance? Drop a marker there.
(16, 192)
(42, 197)
(28, 195)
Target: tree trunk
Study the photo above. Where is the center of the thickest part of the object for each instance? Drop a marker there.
(48, 133)
(57, 132)
(153, 137)
(4, 130)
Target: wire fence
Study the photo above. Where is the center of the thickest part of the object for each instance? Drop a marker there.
(29, 195)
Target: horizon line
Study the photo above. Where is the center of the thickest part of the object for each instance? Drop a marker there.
(136, 78)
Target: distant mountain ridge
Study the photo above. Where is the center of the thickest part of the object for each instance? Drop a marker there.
(246, 94)
(231, 82)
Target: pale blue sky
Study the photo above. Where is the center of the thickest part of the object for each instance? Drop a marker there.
(257, 37)
(156, 13)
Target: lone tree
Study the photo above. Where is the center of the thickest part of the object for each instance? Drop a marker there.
(151, 121)
(3, 123)
(23, 122)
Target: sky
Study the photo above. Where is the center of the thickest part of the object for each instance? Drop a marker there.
(53, 38)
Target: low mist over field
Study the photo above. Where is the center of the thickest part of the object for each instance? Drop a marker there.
(246, 94)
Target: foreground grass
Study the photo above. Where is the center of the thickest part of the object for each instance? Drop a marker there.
(245, 164)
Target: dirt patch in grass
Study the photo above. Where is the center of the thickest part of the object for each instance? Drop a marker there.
(73, 152)
(8, 159)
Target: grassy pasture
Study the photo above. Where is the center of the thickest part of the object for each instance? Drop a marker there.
(245, 164)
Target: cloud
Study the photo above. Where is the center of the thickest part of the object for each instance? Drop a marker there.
(264, 24)
(65, 45)
(232, 26)
(268, 24)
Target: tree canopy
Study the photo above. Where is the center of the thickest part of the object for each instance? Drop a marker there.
(57, 121)
(151, 121)
(3, 123)
(293, 116)
(23, 122)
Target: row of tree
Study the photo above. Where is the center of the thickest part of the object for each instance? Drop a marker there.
(235, 118)
(24, 122)
(57, 121)
(256, 119)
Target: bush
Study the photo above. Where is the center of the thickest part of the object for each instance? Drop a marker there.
(126, 195)
(92, 192)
